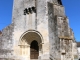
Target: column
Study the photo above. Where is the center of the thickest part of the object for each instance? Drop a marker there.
(27, 21)
(33, 20)
(28, 52)
(30, 21)
(40, 49)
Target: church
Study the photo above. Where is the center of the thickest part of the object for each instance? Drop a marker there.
(39, 31)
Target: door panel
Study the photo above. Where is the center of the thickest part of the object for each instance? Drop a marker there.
(34, 50)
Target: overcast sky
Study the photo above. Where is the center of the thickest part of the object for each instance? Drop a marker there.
(72, 10)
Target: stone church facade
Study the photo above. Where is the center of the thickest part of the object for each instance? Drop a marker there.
(39, 31)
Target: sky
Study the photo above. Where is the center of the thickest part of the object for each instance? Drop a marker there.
(72, 11)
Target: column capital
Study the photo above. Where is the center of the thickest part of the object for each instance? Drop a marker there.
(40, 44)
(24, 46)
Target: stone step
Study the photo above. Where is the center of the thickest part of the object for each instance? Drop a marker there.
(39, 59)
(33, 59)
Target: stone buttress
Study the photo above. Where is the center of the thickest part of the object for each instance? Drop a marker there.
(43, 21)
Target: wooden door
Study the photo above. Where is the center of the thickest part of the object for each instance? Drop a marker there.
(34, 50)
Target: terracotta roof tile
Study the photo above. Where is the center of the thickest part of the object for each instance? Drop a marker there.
(0, 32)
(78, 44)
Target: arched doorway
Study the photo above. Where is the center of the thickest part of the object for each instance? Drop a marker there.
(34, 50)
(31, 43)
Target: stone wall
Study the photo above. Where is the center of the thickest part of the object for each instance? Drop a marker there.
(6, 42)
(53, 35)
(35, 21)
(49, 20)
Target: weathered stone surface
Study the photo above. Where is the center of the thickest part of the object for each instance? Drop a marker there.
(48, 26)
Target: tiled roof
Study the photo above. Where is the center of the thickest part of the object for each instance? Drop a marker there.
(0, 32)
(78, 44)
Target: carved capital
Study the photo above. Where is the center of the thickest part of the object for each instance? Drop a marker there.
(66, 38)
(24, 46)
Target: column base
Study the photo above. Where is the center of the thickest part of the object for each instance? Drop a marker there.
(44, 57)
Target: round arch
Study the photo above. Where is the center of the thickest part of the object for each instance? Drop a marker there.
(31, 35)
(25, 42)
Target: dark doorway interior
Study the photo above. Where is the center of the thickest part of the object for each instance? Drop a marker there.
(34, 50)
